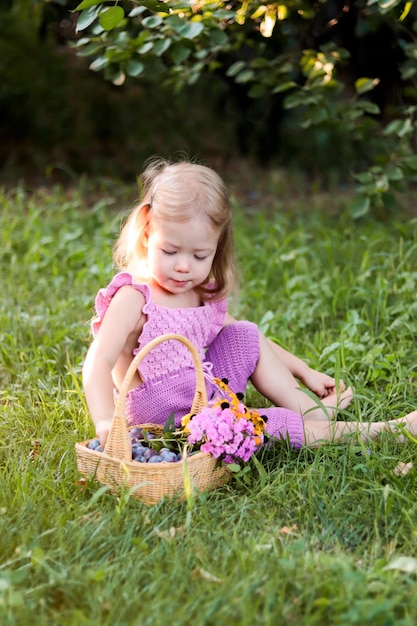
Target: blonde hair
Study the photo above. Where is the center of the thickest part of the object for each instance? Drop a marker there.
(180, 191)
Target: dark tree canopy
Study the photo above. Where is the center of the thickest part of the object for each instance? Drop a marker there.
(344, 70)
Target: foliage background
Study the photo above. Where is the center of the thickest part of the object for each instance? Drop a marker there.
(329, 91)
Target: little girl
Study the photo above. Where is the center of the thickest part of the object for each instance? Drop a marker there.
(177, 264)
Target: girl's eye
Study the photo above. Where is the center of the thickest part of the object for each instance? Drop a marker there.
(199, 258)
(168, 252)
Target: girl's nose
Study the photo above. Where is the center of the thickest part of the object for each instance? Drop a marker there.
(182, 264)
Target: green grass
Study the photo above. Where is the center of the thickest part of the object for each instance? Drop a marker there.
(326, 536)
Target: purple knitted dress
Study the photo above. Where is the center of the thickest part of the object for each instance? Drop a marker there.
(168, 370)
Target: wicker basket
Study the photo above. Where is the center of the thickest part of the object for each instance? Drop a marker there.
(150, 482)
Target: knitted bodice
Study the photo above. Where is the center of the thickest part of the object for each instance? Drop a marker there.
(199, 324)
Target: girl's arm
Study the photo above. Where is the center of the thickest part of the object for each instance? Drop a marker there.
(110, 354)
(321, 384)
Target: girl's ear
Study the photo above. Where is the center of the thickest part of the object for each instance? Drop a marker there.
(146, 230)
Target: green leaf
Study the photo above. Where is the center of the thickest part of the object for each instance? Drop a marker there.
(399, 128)
(362, 85)
(153, 21)
(89, 49)
(389, 201)
(169, 425)
(137, 11)
(295, 99)
(368, 107)
(410, 50)
(408, 71)
(147, 47)
(134, 68)
(217, 36)
(161, 45)
(410, 162)
(382, 184)
(396, 174)
(38, 556)
(234, 467)
(364, 177)
(359, 206)
(201, 54)
(119, 78)
(387, 5)
(178, 53)
(191, 30)
(317, 115)
(111, 17)
(99, 63)
(96, 29)
(259, 63)
(245, 76)
(121, 39)
(258, 91)
(86, 18)
(284, 86)
(174, 22)
(157, 6)
(235, 68)
(86, 4)
(224, 14)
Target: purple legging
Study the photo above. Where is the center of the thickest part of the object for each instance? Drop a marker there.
(234, 355)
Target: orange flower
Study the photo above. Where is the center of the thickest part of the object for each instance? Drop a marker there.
(239, 409)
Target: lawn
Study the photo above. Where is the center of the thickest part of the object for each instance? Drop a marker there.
(324, 536)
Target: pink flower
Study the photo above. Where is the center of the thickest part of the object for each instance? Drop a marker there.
(224, 434)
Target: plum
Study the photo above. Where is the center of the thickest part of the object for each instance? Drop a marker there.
(155, 459)
(136, 434)
(168, 456)
(149, 453)
(94, 444)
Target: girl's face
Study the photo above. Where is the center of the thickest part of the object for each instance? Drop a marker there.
(180, 254)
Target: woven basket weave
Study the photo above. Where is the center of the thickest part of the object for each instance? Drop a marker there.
(150, 482)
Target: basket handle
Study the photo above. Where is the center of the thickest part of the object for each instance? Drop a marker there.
(118, 442)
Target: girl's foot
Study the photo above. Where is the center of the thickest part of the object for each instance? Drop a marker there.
(408, 423)
(318, 432)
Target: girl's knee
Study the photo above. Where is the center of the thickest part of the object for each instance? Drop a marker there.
(235, 354)
(242, 331)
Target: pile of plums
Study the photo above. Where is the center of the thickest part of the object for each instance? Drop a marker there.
(142, 451)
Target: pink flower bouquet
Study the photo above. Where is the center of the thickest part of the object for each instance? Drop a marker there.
(226, 429)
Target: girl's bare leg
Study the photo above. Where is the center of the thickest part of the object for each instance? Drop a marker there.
(319, 432)
(274, 381)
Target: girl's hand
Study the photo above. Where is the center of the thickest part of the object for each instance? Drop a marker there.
(321, 384)
(102, 431)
